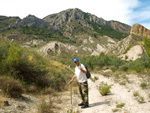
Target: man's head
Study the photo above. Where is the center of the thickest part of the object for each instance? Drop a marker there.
(76, 61)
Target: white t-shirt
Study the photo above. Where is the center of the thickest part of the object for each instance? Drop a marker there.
(81, 77)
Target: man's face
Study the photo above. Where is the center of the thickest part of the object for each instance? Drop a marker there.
(77, 63)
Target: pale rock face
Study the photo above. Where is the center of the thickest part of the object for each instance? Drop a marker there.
(87, 49)
(110, 40)
(95, 53)
(100, 48)
(90, 39)
(85, 41)
(50, 48)
(54, 47)
(134, 53)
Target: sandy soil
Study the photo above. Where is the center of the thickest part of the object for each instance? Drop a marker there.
(119, 94)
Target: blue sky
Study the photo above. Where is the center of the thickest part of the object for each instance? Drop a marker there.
(141, 13)
(125, 11)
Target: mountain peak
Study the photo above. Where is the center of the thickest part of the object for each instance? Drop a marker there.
(31, 17)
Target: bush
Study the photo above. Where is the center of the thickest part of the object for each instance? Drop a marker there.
(57, 81)
(104, 88)
(138, 65)
(140, 99)
(115, 110)
(11, 87)
(46, 107)
(30, 68)
(136, 93)
(147, 45)
(143, 85)
(120, 105)
(102, 60)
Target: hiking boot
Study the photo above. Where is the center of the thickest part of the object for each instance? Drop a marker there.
(84, 106)
(81, 104)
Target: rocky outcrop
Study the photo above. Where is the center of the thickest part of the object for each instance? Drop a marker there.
(140, 30)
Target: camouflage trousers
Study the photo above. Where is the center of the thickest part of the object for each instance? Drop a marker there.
(83, 89)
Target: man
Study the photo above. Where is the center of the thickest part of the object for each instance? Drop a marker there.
(80, 74)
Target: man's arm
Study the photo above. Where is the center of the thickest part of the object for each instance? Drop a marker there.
(72, 79)
(82, 70)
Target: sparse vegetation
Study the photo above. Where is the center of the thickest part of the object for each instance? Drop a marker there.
(96, 78)
(101, 61)
(127, 50)
(143, 85)
(93, 79)
(115, 110)
(136, 93)
(140, 99)
(11, 87)
(104, 88)
(120, 105)
(147, 45)
(123, 82)
(117, 75)
(46, 107)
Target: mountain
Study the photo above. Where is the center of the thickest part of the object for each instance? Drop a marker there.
(70, 15)
(72, 23)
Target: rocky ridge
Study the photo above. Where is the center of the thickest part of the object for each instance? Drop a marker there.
(70, 15)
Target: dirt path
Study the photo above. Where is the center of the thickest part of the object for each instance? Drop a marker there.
(119, 94)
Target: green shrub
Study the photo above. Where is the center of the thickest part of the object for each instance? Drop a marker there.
(147, 45)
(104, 88)
(11, 87)
(102, 60)
(120, 105)
(115, 110)
(92, 79)
(57, 81)
(140, 99)
(128, 48)
(139, 65)
(123, 82)
(124, 67)
(46, 107)
(117, 75)
(96, 78)
(136, 93)
(143, 85)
